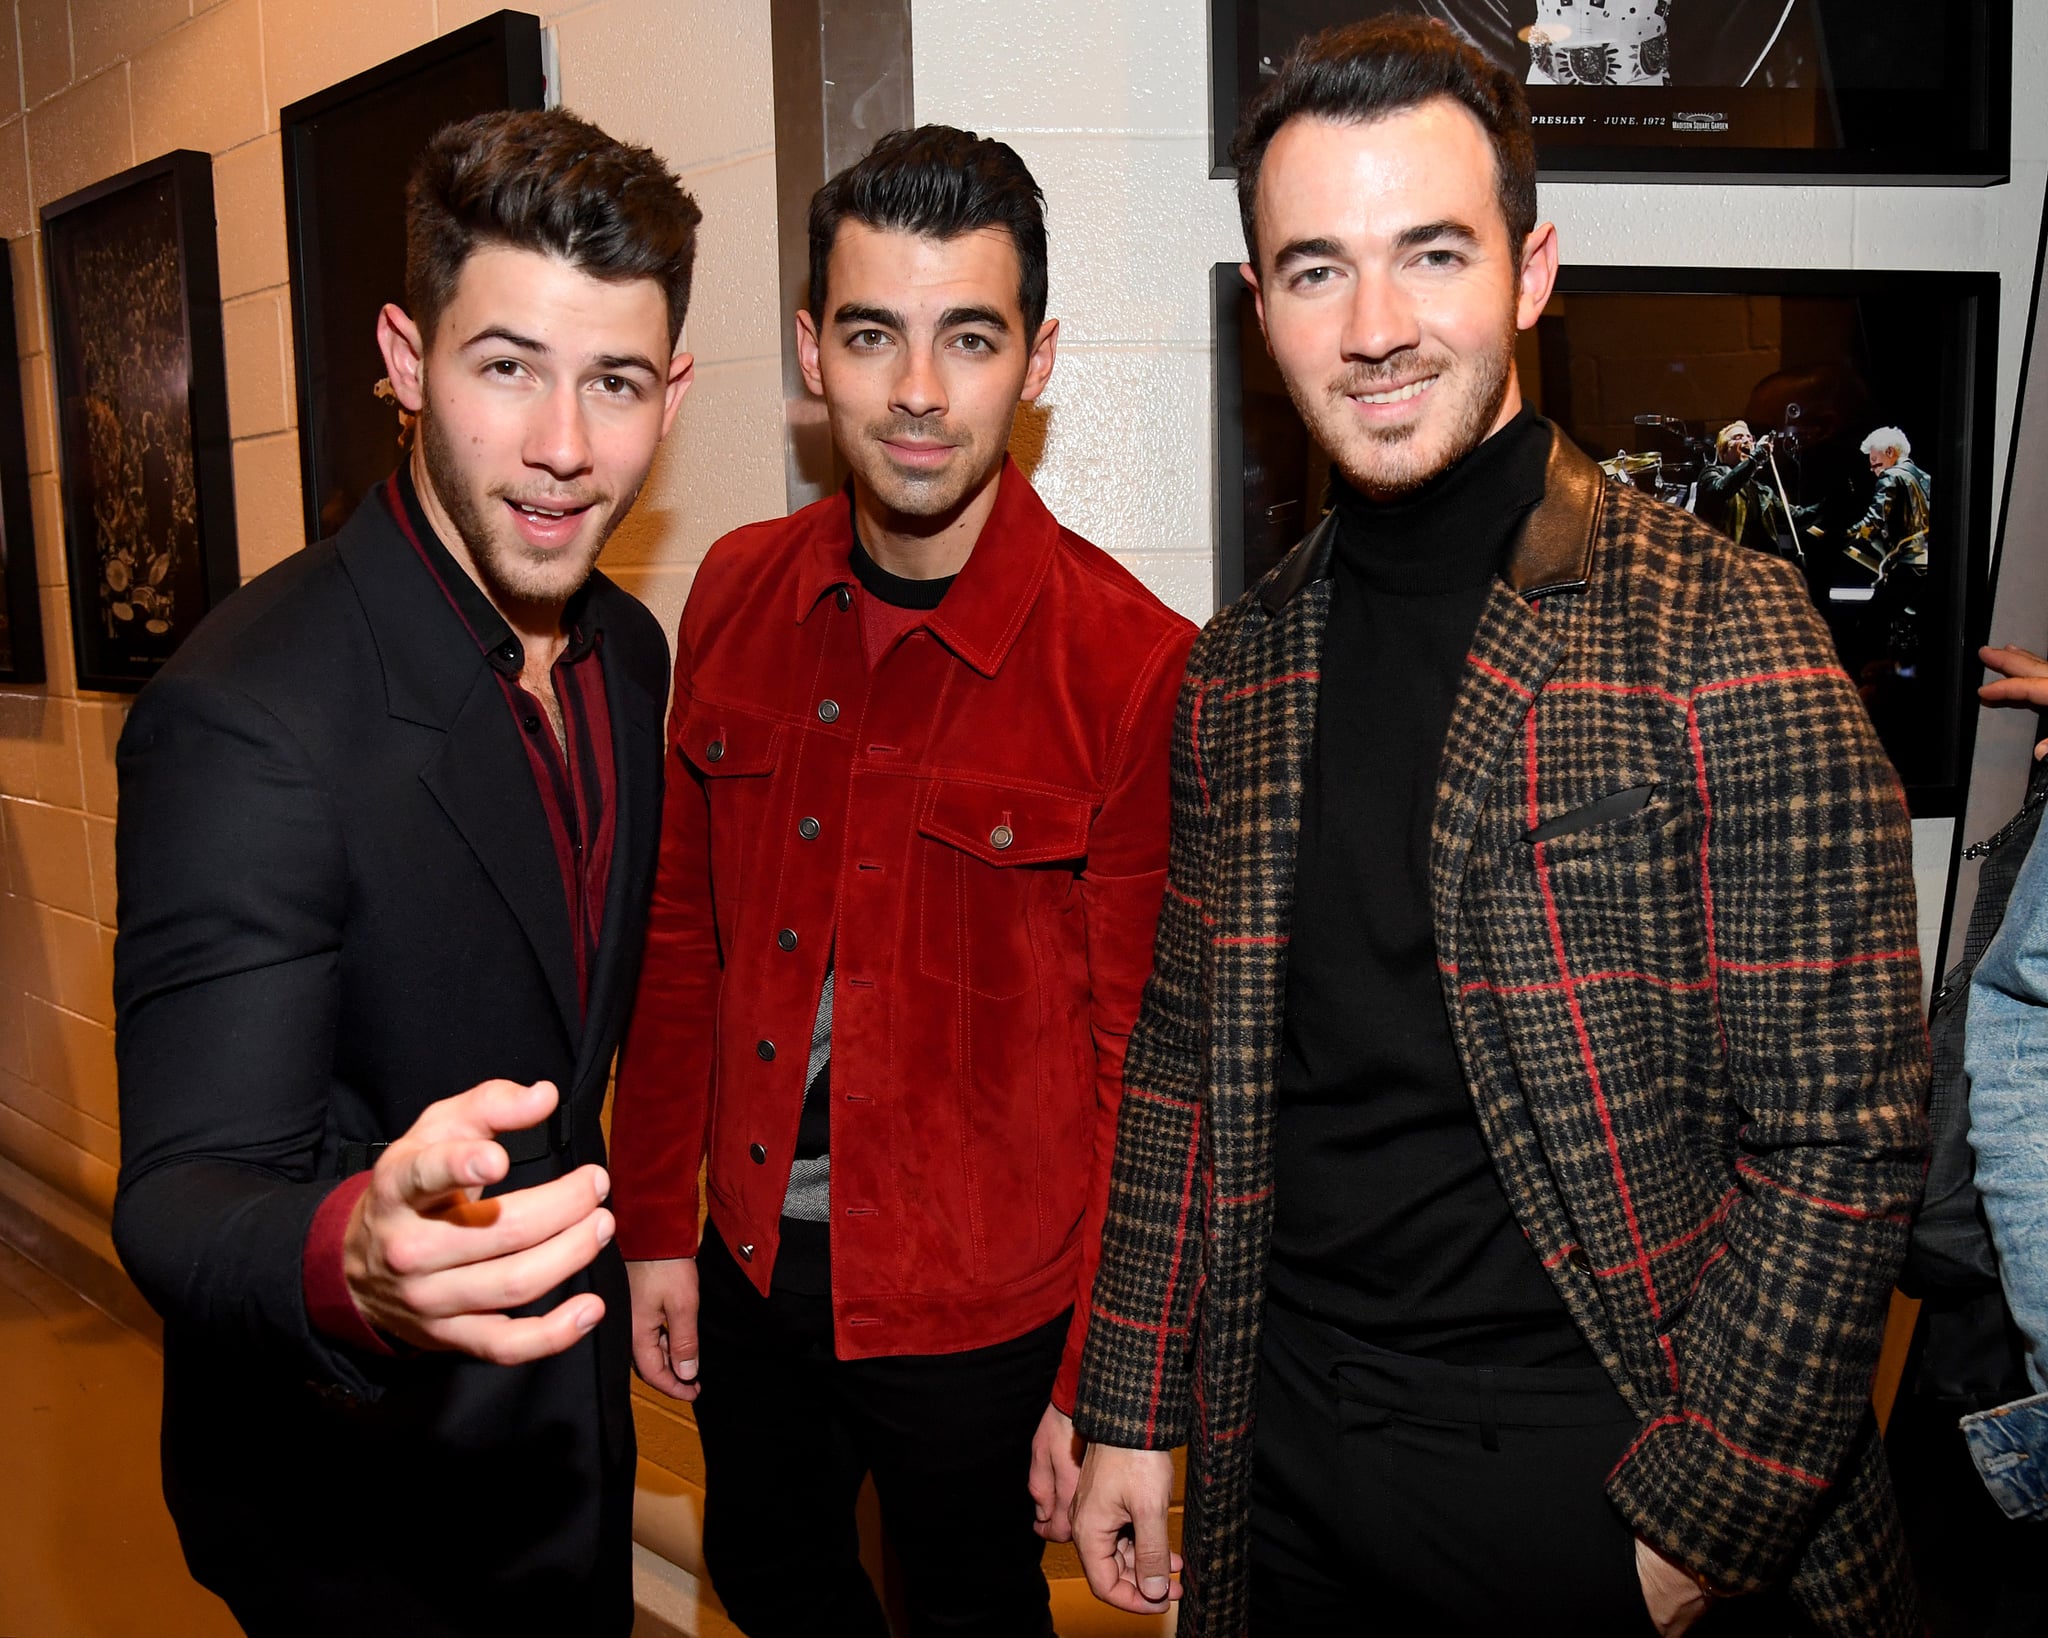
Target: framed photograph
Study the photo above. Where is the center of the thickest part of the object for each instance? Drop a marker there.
(21, 615)
(348, 152)
(1841, 421)
(1883, 91)
(142, 408)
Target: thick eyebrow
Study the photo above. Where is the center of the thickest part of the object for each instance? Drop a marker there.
(511, 338)
(988, 317)
(1428, 233)
(625, 361)
(854, 312)
(1306, 250)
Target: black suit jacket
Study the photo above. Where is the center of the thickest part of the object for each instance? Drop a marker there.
(339, 902)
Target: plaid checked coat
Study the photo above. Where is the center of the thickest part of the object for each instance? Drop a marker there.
(1692, 1036)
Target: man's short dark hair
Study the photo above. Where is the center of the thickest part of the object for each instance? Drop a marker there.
(544, 180)
(937, 182)
(1366, 71)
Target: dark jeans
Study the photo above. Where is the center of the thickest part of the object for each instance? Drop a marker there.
(790, 1431)
(1399, 1495)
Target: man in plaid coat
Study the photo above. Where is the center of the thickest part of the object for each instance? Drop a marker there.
(1661, 875)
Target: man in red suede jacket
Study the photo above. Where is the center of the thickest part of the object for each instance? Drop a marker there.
(914, 847)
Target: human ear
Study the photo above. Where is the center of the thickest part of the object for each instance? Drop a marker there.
(1538, 276)
(405, 356)
(807, 352)
(1044, 350)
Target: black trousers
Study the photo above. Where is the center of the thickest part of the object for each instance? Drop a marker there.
(1400, 1495)
(790, 1432)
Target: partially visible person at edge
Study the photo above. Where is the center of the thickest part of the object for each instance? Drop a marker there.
(2007, 1057)
(387, 831)
(1524, 1121)
(913, 851)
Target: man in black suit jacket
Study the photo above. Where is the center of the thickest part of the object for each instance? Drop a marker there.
(388, 824)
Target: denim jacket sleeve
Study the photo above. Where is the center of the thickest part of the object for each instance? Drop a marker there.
(2006, 1053)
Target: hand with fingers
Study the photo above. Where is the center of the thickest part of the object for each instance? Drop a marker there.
(1055, 1470)
(2022, 681)
(1120, 1510)
(665, 1324)
(431, 1262)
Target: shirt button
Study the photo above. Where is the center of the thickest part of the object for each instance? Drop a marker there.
(714, 750)
(1001, 837)
(843, 597)
(765, 1051)
(828, 710)
(786, 939)
(530, 723)
(807, 828)
(746, 1251)
(758, 1154)
(509, 653)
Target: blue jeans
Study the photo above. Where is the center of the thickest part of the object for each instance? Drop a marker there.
(2006, 1053)
(2010, 1447)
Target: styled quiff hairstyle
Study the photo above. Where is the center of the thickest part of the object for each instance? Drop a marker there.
(1366, 71)
(937, 182)
(542, 179)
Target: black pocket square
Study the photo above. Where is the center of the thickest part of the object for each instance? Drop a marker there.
(1615, 805)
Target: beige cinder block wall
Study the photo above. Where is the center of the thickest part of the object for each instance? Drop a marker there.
(90, 87)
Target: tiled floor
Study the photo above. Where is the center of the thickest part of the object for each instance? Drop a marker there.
(86, 1548)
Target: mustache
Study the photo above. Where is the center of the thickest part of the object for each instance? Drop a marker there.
(553, 501)
(1360, 378)
(919, 428)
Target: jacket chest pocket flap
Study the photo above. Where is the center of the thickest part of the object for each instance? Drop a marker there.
(977, 910)
(728, 745)
(733, 754)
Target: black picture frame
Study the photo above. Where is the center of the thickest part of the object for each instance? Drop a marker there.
(348, 151)
(1813, 366)
(142, 412)
(21, 612)
(1924, 98)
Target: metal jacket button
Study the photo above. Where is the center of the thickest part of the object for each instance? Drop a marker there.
(1001, 837)
(746, 1251)
(766, 1051)
(714, 751)
(758, 1154)
(786, 938)
(828, 710)
(807, 828)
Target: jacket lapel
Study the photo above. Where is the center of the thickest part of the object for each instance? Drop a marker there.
(1514, 650)
(502, 820)
(1513, 654)
(1266, 732)
(436, 678)
(636, 784)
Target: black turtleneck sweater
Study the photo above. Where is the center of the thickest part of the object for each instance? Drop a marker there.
(1389, 1220)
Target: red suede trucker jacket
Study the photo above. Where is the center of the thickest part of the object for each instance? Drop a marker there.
(980, 825)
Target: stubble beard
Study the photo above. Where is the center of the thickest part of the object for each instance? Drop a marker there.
(512, 573)
(1386, 463)
(914, 494)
